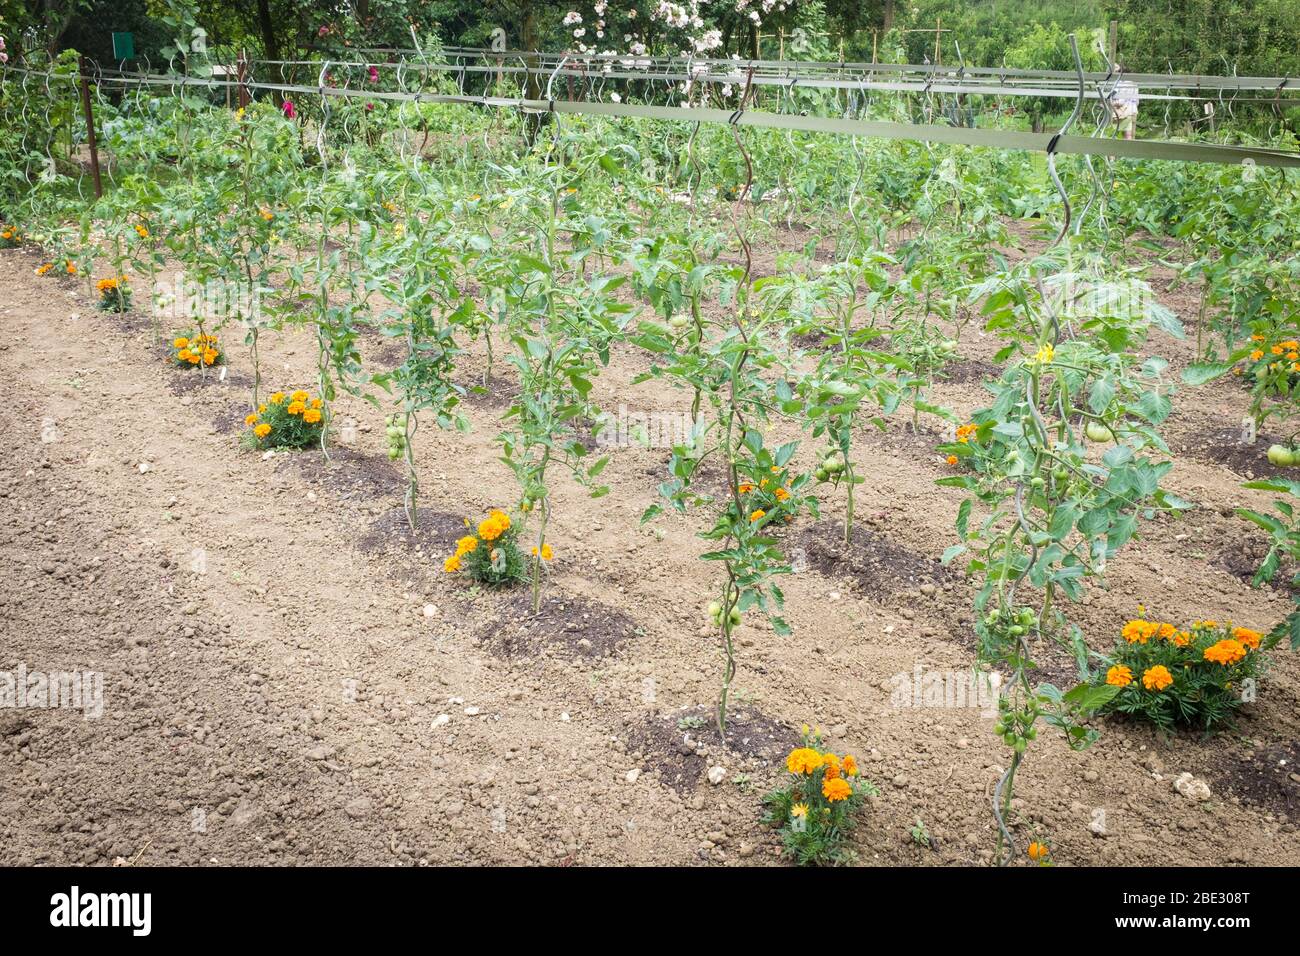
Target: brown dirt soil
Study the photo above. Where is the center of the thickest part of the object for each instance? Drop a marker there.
(290, 678)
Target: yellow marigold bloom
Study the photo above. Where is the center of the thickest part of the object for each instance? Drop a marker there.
(831, 765)
(192, 358)
(1119, 676)
(1181, 639)
(850, 766)
(1037, 851)
(261, 409)
(311, 416)
(466, 544)
(836, 788)
(1257, 338)
(300, 396)
(758, 515)
(1277, 350)
(952, 459)
(1157, 678)
(547, 553)
(296, 408)
(799, 810)
(745, 488)
(1256, 355)
(803, 760)
(781, 494)
(1166, 630)
(71, 268)
(262, 430)
(1225, 652)
(250, 419)
(142, 232)
(277, 398)
(210, 356)
(45, 268)
(1248, 638)
(494, 525)
(180, 343)
(451, 565)
(184, 355)
(315, 403)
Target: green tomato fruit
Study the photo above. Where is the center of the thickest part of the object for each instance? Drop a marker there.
(821, 474)
(678, 321)
(1280, 456)
(715, 609)
(1098, 432)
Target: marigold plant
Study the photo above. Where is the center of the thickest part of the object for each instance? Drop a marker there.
(114, 294)
(286, 421)
(818, 808)
(10, 237)
(491, 554)
(193, 351)
(1193, 676)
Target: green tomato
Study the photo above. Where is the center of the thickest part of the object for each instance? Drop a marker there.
(715, 610)
(678, 321)
(394, 454)
(735, 617)
(1098, 432)
(1281, 456)
(821, 474)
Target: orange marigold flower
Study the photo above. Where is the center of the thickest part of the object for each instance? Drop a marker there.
(300, 396)
(836, 788)
(952, 459)
(745, 488)
(181, 342)
(799, 810)
(1225, 652)
(296, 408)
(850, 766)
(1119, 676)
(451, 565)
(803, 760)
(250, 420)
(466, 544)
(311, 416)
(1248, 638)
(781, 494)
(262, 430)
(831, 764)
(1038, 851)
(1256, 355)
(277, 398)
(1139, 631)
(1157, 678)
(758, 515)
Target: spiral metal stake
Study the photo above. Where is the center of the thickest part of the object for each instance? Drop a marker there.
(1021, 518)
(320, 250)
(1052, 144)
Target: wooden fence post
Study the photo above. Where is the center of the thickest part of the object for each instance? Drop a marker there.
(90, 128)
